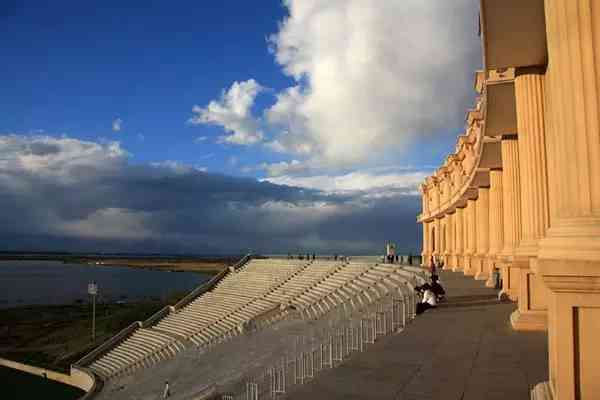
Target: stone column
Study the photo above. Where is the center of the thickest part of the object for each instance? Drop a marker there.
(438, 235)
(511, 201)
(426, 244)
(483, 233)
(465, 229)
(471, 236)
(533, 296)
(496, 223)
(569, 255)
(458, 242)
(448, 263)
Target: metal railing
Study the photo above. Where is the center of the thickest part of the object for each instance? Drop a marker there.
(403, 259)
(326, 344)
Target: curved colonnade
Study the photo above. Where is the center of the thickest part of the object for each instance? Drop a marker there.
(521, 192)
(261, 292)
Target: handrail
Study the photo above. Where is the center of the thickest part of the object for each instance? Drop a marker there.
(109, 343)
(125, 332)
(243, 261)
(188, 298)
(166, 310)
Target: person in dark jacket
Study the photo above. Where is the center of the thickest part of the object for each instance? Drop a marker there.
(436, 288)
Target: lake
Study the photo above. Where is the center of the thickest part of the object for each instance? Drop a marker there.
(53, 282)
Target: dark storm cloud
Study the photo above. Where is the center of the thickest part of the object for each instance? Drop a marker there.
(67, 194)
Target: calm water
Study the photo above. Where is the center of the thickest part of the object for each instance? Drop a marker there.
(53, 282)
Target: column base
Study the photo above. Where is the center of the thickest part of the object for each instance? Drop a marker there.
(542, 391)
(467, 267)
(510, 280)
(529, 321)
(482, 276)
(448, 265)
(491, 267)
(459, 264)
(478, 268)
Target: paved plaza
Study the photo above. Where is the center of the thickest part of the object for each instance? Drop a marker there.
(464, 350)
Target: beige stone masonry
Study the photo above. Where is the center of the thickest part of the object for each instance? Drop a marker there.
(569, 255)
(471, 237)
(449, 259)
(496, 224)
(459, 241)
(511, 200)
(483, 234)
(529, 92)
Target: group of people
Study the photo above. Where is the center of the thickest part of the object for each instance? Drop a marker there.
(432, 292)
(395, 258)
(302, 256)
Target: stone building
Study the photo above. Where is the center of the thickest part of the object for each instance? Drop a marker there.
(521, 192)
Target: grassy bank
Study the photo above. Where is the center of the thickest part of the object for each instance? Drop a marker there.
(55, 336)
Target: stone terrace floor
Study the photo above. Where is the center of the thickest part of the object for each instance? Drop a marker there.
(464, 350)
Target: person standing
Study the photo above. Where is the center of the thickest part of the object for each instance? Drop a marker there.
(167, 391)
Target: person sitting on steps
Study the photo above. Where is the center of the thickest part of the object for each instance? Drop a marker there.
(429, 299)
(437, 289)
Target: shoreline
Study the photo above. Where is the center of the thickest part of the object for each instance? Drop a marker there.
(208, 265)
(30, 332)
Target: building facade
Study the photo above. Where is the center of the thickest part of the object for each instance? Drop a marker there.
(520, 194)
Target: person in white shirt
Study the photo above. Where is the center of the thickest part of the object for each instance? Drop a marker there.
(429, 299)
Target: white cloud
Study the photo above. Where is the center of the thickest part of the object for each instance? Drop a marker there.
(59, 158)
(233, 112)
(117, 124)
(110, 223)
(140, 137)
(177, 166)
(371, 74)
(200, 139)
(283, 168)
(374, 184)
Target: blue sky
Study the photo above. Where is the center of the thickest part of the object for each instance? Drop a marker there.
(76, 68)
(352, 101)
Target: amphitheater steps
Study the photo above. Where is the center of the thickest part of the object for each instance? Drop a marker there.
(259, 287)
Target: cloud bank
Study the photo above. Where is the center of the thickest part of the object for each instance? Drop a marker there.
(369, 76)
(60, 193)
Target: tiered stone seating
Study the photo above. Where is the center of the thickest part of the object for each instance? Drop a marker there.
(260, 287)
(302, 281)
(143, 348)
(354, 284)
(235, 300)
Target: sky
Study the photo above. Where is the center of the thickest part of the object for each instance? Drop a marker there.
(232, 126)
